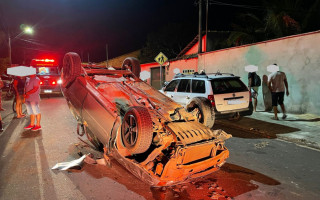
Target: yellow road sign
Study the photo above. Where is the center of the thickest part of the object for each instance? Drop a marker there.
(161, 58)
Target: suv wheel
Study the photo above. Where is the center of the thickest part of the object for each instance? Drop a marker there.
(201, 108)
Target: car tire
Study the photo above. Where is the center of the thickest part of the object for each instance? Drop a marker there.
(71, 68)
(202, 109)
(137, 130)
(133, 65)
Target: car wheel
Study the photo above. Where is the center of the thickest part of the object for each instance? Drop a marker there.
(71, 68)
(201, 108)
(137, 130)
(235, 117)
(133, 65)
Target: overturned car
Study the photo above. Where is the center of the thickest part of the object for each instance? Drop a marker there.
(148, 133)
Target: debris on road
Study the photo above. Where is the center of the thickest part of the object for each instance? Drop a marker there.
(70, 164)
(87, 158)
(261, 145)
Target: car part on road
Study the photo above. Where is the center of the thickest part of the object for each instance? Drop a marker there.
(148, 133)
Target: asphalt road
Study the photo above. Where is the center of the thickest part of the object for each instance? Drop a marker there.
(258, 168)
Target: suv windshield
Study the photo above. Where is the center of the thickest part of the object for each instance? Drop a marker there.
(47, 71)
(230, 85)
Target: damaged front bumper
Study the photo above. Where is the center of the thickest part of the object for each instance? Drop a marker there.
(187, 162)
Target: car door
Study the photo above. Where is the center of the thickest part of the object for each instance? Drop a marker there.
(183, 94)
(170, 89)
(198, 88)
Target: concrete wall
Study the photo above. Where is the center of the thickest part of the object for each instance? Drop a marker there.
(298, 56)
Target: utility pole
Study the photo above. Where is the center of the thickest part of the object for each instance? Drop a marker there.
(200, 27)
(207, 14)
(107, 55)
(9, 48)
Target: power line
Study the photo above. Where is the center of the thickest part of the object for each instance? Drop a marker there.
(236, 5)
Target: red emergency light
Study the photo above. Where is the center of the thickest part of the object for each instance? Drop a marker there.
(53, 82)
(41, 83)
(44, 60)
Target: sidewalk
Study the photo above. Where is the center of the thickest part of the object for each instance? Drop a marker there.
(302, 129)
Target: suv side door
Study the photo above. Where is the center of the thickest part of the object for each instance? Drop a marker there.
(198, 89)
(170, 89)
(183, 93)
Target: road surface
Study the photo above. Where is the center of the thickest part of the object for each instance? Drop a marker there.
(258, 168)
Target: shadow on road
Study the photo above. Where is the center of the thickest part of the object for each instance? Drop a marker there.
(230, 181)
(253, 128)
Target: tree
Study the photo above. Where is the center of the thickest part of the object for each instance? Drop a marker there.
(280, 18)
(251, 30)
(170, 39)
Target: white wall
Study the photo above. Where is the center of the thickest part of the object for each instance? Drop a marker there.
(298, 56)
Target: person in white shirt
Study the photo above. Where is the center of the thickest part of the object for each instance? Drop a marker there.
(278, 85)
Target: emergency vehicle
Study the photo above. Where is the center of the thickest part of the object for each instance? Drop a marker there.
(49, 74)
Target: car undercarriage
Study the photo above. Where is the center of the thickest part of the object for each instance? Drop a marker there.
(153, 137)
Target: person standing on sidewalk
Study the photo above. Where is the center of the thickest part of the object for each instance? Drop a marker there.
(1, 86)
(32, 96)
(278, 84)
(254, 81)
(18, 85)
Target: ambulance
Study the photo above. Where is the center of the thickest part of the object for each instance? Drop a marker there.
(49, 74)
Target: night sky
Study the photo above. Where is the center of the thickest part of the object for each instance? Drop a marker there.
(86, 26)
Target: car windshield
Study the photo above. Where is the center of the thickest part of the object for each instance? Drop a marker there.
(47, 71)
(230, 85)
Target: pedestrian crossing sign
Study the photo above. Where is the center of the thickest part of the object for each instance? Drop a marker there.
(161, 58)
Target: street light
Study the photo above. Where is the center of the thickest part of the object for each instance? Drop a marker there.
(26, 30)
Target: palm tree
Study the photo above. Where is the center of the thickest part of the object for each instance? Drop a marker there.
(251, 30)
(282, 17)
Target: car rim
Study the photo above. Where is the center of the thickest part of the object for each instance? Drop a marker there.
(130, 127)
